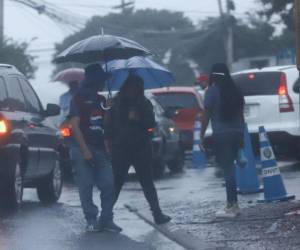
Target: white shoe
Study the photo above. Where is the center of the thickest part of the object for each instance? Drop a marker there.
(230, 211)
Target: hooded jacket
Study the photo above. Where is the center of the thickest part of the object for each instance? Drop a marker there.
(127, 134)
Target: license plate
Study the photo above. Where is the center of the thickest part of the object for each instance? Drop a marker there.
(246, 111)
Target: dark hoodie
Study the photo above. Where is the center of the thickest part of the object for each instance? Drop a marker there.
(125, 133)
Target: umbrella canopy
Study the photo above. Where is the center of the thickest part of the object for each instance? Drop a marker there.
(101, 48)
(69, 75)
(153, 74)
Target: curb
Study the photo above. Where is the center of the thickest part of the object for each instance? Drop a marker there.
(174, 233)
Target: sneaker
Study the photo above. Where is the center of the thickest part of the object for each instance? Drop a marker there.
(111, 227)
(92, 228)
(230, 211)
(236, 208)
(161, 218)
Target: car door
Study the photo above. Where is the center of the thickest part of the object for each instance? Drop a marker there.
(45, 136)
(21, 121)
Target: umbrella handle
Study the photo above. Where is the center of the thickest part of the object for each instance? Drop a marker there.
(103, 107)
(106, 70)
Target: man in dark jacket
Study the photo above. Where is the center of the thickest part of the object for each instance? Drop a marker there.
(92, 165)
(126, 129)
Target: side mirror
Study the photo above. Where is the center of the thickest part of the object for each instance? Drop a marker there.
(52, 110)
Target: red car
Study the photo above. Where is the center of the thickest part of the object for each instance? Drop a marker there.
(183, 105)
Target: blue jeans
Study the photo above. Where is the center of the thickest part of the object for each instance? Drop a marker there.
(226, 149)
(100, 176)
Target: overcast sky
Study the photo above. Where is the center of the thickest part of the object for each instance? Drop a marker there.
(25, 24)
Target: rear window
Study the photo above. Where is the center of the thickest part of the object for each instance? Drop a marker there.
(177, 100)
(3, 96)
(262, 83)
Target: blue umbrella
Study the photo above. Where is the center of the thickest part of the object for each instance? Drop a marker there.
(153, 74)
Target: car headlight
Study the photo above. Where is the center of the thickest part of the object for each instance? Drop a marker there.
(172, 129)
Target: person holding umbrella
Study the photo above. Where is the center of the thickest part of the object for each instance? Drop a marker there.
(92, 165)
(224, 105)
(65, 101)
(128, 125)
(71, 77)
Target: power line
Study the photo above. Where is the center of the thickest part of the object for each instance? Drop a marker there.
(55, 13)
(91, 6)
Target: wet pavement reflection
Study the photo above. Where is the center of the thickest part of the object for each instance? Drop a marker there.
(191, 198)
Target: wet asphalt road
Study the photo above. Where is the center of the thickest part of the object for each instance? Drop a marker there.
(191, 198)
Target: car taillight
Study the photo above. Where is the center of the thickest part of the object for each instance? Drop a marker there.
(65, 132)
(251, 76)
(151, 130)
(3, 127)
(285, 101)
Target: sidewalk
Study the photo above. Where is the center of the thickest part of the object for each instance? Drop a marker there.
(193, 198)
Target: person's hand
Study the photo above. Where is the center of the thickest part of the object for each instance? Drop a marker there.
(88, 157)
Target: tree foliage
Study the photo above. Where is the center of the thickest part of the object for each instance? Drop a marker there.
(170, 33)
(253, 38)
(16, 54)
(284, 8)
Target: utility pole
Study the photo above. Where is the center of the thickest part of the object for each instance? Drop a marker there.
(125, 6)
(229, 38)
(220, 8)
(297, 29)
(1, 22)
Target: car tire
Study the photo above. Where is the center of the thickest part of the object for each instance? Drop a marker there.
(13, 189)
(176, 165)
(159, 167)
(49, 188)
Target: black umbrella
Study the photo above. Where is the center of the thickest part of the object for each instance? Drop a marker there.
(101, 48)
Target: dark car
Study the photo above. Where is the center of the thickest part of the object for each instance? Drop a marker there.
(167, 148)
(29, 144)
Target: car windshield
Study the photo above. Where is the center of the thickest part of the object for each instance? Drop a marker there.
(177, 100)
(261, 83)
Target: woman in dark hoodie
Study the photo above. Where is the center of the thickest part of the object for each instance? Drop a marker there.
(126, 129)
(224, 105)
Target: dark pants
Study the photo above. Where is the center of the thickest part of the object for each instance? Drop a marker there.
(226, 149)
(100, 176)
(141, 161)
